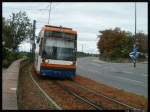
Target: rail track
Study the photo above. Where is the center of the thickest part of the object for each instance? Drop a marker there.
(45, 94)
(130, 108)
(88, 101)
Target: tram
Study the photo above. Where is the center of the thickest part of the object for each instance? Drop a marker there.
(55, 52)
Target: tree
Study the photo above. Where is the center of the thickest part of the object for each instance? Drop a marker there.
(16, 29)
(114, 43)
(6, 34)
(142, 42)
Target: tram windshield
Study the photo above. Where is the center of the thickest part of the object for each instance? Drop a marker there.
(59, 53)
(59, 49)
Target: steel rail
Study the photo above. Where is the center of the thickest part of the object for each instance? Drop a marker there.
(107, 97)
(90, 102)
(45, 94)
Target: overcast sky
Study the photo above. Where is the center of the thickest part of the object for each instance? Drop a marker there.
(86, 18)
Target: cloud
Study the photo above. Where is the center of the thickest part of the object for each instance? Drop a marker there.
(86, 18)
(25, 46)
(84, 36)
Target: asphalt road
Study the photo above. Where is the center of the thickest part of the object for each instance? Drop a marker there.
(120, 75)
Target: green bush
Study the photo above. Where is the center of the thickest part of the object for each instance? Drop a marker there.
(19, 56)
(12, 56)
(8, 57)
(5, 63)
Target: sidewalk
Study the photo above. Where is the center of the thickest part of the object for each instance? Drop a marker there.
(9, 86)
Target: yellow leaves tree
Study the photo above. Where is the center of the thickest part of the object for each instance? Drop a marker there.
(114, 43)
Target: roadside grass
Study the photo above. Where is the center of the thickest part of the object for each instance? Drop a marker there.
(28, 95)
(19, 89)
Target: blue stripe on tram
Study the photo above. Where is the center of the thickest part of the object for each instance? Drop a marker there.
(55, 73)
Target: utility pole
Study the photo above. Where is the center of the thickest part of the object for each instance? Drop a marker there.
(135, 23)
(82, 47)
(33, 39)
(49, 12)
(134, 53)
(135, 35)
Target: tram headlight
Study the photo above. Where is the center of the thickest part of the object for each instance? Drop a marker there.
(46, 61)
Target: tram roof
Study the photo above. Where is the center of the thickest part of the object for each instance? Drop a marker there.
(59, 29)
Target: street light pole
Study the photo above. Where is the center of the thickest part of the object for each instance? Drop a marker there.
(49, 13)
(135, 34)
(33, 40)
(135, 23)
(82, 47)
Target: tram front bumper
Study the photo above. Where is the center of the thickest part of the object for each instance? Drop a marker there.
(57, 73)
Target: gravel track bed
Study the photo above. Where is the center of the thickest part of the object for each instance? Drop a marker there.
(120, 95)
(62, 98)
(103, 102)
(29, 96)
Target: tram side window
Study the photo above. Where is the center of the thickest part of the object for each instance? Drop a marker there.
(59, 34)
(40, 47)
(46, 34)
(40, 50)
(56, 34)
(52, 34)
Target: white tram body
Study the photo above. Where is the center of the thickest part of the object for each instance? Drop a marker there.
(55, 52)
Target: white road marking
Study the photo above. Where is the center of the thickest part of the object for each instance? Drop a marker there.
(129, 79)
(114, 70)
(127, 72)
(139, 83)
(96, 64)
(98, 61)
(14, 89)
(145, 75)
